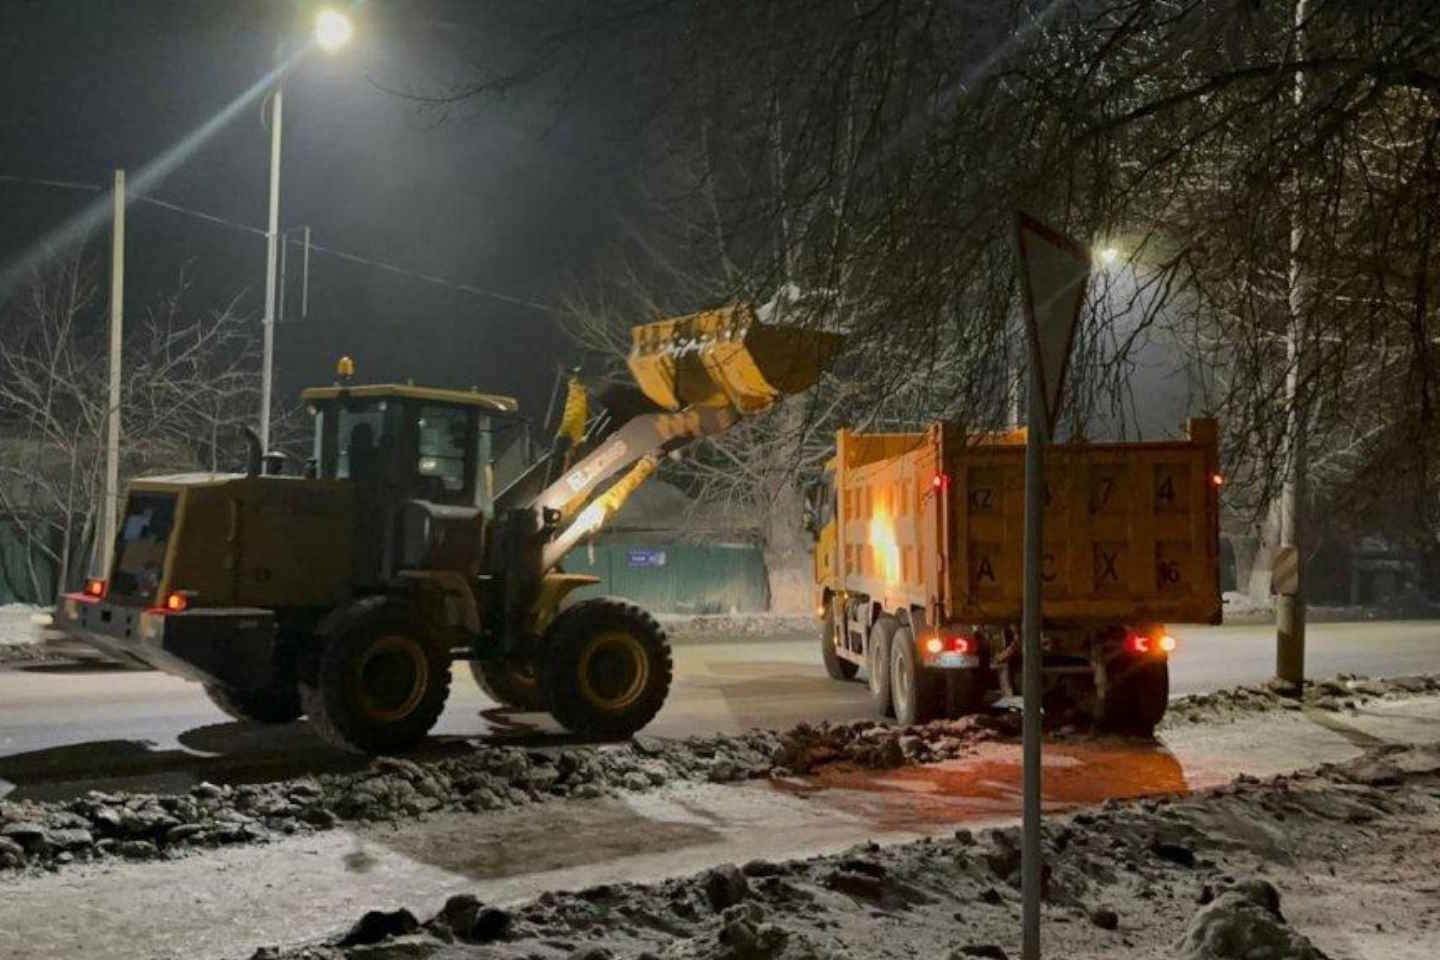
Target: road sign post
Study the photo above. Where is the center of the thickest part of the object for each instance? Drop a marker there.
(1054, 271)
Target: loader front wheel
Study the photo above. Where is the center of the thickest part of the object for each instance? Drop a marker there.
(606, 669)
(380, 685)
(511, 683)
(279, 703)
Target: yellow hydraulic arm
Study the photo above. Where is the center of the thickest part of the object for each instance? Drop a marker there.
(706, 370)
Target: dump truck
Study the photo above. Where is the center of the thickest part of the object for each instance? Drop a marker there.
(918, 561)
(344, 591)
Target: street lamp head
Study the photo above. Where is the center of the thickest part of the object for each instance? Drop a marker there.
(332, 30)
(1109, 255)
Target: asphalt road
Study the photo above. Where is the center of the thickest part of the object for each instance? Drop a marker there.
(67, 728)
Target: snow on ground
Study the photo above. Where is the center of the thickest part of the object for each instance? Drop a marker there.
(22, 629)
(1238, 604)
(730, 628)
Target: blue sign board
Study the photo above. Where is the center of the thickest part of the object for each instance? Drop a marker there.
(645, 558)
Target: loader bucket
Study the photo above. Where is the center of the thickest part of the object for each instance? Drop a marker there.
(726, 357)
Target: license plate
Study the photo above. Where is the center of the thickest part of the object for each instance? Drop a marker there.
(959, 660)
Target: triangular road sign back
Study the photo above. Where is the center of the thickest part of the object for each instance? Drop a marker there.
(1054, 273)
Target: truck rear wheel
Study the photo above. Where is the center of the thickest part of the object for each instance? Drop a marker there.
(1132, 693)
(606, 669)
(877, 666)
(380, 685)
(915, 690)
(278, 703)
(512, 683)
(837, 668)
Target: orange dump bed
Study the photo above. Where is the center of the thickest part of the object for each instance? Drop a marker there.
(935, 519)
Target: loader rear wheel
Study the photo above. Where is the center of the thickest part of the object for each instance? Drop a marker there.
(837, 668)
(278, 703)
(915, 689)
(379, 685)
(607, 668)
(511, 683)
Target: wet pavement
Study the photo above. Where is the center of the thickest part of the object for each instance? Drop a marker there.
(68, 728)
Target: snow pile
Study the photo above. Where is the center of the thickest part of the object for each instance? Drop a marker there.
(1184, 877)
(148, 826)
(1245, 922)
(1238, 604)
(1347, 691)
(722, 628)
(22, 630)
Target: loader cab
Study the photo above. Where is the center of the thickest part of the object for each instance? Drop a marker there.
(401, 442)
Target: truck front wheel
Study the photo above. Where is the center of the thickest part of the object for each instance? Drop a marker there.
(606, 668)
(380, 684)
(837, 668)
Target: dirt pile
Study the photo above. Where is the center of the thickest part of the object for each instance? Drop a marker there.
(1184, 877)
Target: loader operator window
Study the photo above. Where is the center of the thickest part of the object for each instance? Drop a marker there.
(446, 435)
(362, 437)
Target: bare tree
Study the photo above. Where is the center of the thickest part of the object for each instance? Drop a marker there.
(1267, 170)
(190, 379)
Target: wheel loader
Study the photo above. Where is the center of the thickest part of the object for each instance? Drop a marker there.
(345, 590)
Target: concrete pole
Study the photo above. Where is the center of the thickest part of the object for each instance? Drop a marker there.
(112, 413)
(305, 279)
(272, 238)
(1030, 629)
(1290, 609)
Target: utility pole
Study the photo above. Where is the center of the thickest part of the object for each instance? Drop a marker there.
(1290, 603)
(272, 243)
(112, 413)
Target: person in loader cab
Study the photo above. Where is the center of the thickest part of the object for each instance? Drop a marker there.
(362, 453)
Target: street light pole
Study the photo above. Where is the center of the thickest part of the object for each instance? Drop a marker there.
(332, 31)
(272, 243)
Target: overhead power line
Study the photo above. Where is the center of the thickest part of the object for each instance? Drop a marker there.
(338, 254)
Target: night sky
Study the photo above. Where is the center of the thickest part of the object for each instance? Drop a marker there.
(517, 195)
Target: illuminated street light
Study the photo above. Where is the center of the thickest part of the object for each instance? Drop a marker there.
(332, 30)
(1109, 255)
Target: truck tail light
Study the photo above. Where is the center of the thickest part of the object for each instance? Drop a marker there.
(95, 588)
(177, 602)
(944, 641)
(1160, 643)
